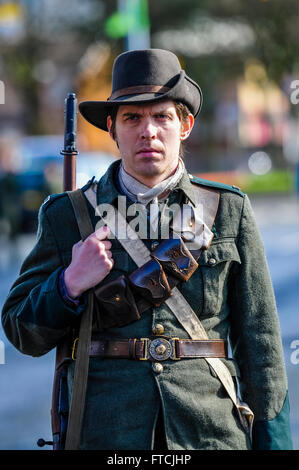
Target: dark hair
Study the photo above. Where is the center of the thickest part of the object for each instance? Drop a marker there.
(112, 115)
(181, 109)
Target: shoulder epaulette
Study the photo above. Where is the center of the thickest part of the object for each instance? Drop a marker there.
(53, 197)
(50, 199)
(214, 184)
(88, 184)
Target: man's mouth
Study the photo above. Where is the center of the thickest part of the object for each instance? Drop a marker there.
(149, 151)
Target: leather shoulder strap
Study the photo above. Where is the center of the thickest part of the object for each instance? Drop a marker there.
(76, 413)
(90, 194)
(208, 198)
(81, 212)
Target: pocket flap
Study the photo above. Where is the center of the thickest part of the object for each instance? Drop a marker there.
(218, 253)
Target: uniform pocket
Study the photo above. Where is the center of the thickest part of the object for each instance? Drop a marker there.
(215, 265)
(105, 317)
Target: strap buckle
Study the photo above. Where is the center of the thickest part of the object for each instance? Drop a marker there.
(74, 348)
(246, 416)
(145, 351)
(174, 356)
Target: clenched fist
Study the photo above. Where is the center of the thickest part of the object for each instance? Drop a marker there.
(91, 262)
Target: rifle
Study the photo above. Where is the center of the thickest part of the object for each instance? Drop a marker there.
(60, 406)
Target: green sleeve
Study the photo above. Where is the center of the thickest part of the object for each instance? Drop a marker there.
(256, 339)
(34, 316)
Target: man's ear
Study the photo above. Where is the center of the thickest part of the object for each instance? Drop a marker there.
(111, 133)
(187, 126)
(109, 124)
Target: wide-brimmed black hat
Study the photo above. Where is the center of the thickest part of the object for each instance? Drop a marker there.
(143, 76)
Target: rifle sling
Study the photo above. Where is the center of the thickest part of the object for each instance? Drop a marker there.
(76, 412)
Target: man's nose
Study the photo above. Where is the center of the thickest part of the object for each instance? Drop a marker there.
(149, 130)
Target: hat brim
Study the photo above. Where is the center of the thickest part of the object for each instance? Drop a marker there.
(185, 90)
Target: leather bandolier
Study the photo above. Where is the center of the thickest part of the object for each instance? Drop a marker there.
(126, 298)
(123, 300)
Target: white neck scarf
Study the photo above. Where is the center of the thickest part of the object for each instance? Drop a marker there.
(142, 193)
(139, 192)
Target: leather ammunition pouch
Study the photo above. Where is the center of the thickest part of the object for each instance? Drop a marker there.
(175, 258)
(151, 282)
(117, 306)
(121, 301)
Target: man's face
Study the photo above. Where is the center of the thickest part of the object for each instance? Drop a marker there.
(149, 138)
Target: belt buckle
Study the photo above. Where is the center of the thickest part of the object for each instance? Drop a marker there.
(159, 349)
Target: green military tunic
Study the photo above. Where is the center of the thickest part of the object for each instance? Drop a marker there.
(232, 295)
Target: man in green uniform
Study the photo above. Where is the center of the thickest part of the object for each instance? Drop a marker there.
(151, 385)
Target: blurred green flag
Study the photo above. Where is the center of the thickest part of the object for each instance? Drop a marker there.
(133, 19)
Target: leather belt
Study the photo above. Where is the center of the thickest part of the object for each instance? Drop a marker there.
(159, 348)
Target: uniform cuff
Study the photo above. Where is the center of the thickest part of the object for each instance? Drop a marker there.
(274, 434)
(71, 302)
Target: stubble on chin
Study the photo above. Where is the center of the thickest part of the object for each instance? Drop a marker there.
(151, 176)
(150, 171)
(146, 168)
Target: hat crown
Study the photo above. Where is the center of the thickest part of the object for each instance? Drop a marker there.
(145, 67)
(144, 76)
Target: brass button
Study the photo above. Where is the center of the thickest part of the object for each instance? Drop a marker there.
(117, 298)
(160, 349)
(154, 245)
(212, 261)
(158, 329)
(157, 367)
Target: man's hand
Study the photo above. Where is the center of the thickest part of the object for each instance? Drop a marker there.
(91, 262)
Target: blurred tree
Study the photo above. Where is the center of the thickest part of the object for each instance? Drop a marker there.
(49, 32)
(268, 26)
(275, 37)
(274, 23)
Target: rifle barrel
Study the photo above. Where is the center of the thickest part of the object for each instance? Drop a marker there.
(69, 151)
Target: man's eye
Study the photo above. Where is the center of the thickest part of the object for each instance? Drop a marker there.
(133, 117)
(162, 116)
